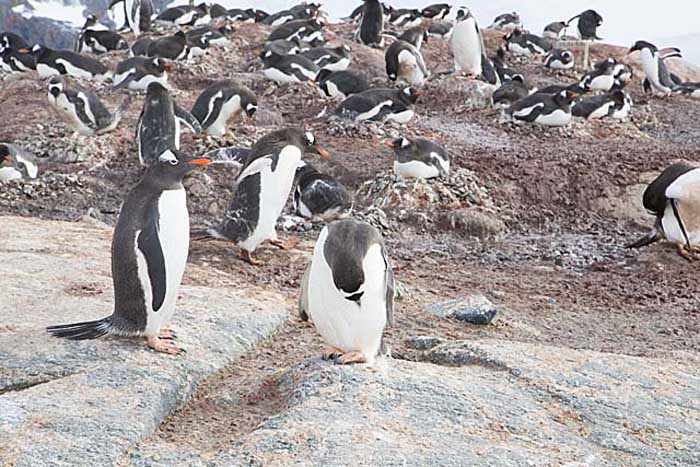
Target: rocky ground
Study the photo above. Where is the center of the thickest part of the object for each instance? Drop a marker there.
(535, 219)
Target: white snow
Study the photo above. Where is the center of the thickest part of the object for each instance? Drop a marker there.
(71, 13)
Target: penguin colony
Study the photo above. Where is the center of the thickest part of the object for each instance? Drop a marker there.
(347, 290)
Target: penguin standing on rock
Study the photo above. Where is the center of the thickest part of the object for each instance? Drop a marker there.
(543, 109)
(137, 14)
(158, 127)
(419, 158)
(83, 110)
(136, 73)
(372, 25)
(380, 105)
(16, 164)
(404, 62)
(654, 67)
(149, 252)
(341, 83)
(64, 62)
(467, 44)
(348, 291)
(262, 190)
(319, 196)
(334, 59)
(221, 101)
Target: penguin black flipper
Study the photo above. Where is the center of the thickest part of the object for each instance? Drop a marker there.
(125, 82)
(187, 118)
(240, 218)
(654, 199)
(82, 331)
(211, 117)
(665, 77)
(149, 245)
(304, 295)
(390, 289)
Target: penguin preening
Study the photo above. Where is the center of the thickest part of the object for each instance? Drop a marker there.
(64, 62)
(404, 62)
(543, 109)
(467, 44)
(318, 196)
(136, 73)
(341, 83)
(262, 190)
(380, 105)
(419, 158)
(16, 164)
(149, 251)
(654, 67)
(348, 291)
(673, 199)
(83, 110)
(415, 36)
(158, 127)
(372, 24)
(220, 102)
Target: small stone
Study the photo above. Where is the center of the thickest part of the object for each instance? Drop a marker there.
(475, 309)
(423, 342)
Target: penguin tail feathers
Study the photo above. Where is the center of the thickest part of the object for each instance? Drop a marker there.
(82, 331)
(652, 237)
(205, 234)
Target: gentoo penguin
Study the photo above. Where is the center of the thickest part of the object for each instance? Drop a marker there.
(83, 110)
(689, 89)
(173, 47)
(510, 92)
(306, 31)
(334, 59)
(218, 11)
(467, 44)
(197, 45)
(9, 40)
(588, 23)
(415, 36)
(282, 47)
(489, 73)
(404, 62)
(288, 68)
(543, 109)
(262, 189)
(319, 196)
(221, 101)
(506, 21)
(441, 30)
(654, 66)
(184, 15)
(158, 127)
(436, 11)
(505, 72)
(601, 78)
(16, 60)
(558, 59)
(90, 24)
(136, 73)
(341, 83)
(672, 198)
(380, 105)
(419, 158)
(214, 37)
(103, 41)
(149, 251)
(601, 106)
(554, 89)
(64, 62)
(348, 291)
(554, 30)
(140, 47)
(16, 164)
(137, 14)
(519, 43)
(243, 16)
(405, 18)
(302, 11)
(372, 24)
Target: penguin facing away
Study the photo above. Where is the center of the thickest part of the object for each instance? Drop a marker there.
(419, 158)
(372, 24)
(348, 291)
(220, 102)
(149, 251)
(467, 44)
(16, 164)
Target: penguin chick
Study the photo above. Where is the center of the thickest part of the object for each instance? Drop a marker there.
(348, 291)
(404, 62)
(220, 102)
(318, 196)
(16, 164)
(419, 158)
(149, 252)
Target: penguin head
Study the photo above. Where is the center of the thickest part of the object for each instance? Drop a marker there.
(463, 13)
(172, 165)
(37, 50)
(311, 145)
(641, 45)
(400, 144)
(90, 21)
(55, 86)
(162, 64)
(410, 94)
(567, 56)
(156, 90)
(251, 108)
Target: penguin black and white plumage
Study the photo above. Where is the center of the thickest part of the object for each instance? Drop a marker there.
(197, 45)
(554, 89)
(554, 30)
(436, 11)
(149, 252)
(288, 68)
(505, 72)
(348, 291)
(158, 127)
(467, 44)
(319, 196)
(419, 158)
(489, 74)
(220, 102)
(173, 47)
(654, 67)
(91, 23)
(243, 16)
(82, 109)
(297, 12)
(137, 14)
(415, 36)
(103, 41)
(406, 18)
(136, 73)
(372, 24)
(51, 62)
(543, 109)
(510, 92)
(341, 83)
(610, 104)
(16, 60)
(689, 89)
(140, 47)
(442, 30)
(673, 199)
(558, 59)
(217, 10)
(306, 31)
(282, 47)
(404, 62)
(214, 37)
(588, 23)
(506, 21)
(601, 78)
(16, 163)
(524, 44)
(263, 187)
(185, 15)
(9, 40)
(380, 105)
(334, 59)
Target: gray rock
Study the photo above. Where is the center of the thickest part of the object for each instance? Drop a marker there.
(471, 223)
(475, 309)
(423, 342)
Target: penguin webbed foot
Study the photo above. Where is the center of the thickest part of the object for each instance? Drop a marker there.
(286, 245)
(691, 254)
(247, 256)
(331, 353)
(164, 346)
(351, 357)
(167, 334)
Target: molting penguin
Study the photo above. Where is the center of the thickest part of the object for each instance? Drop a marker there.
(348, 291)
(173, 47)
(288, 68)
(558, 59)
(543, 109)
(436, 11)
(506, 21)
(149, 252)
(319, 196)
(467, 44)
(16, 164)
(673, 198)
(654, 67)
(380, 105)
(554, 30)
(614, 104)
(520, 43)
(341, 83)
(83, 110)
(221, 101)
(404, 62)
(372, 24)
(419, 158)
(64, 62)
(262, 189)
(158, 127)
(137, 73)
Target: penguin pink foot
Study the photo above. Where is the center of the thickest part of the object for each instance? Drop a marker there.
(288, 245)
(167, 334)
(331, 353)
(351, 357)
(247, 256)
(163, 346)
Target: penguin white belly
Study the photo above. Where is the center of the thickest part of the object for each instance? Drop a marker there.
(308, 74)
(559, 65)
(9, 173)
(279, 76)
(46, 71)
(340, 65)
(72, 70)
(601, 111)
(602, 83)
(401, 117)
(409, 70)
(517, 49)
(415, 169)
(142, 84)
(230, 108)
(373, 112)
(70, 114)
(556, 118)
(185, 19)
(650, 65)
(350, 326)
(203, 21)
(119, 77)
(333, 90)
(466, 48)
(623, 112)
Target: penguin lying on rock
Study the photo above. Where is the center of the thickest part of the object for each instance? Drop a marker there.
(51, 62)
(341, 83)
(288, 68)
(419, 158)
(467, 44)
(615, 104)
(543, 109)
(136, 73)
(524, 44)
(380, 105)
(319, 196)
(220, 102)
(16, 164)
(558, 59)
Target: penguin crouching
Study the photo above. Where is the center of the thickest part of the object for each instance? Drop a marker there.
(340, 84)
(404, 62)
(543, 109)
(380, 105)
(220, 102)
(318, 196)
(348, 291)
(16, 164)
(419, 158)
(149, 251)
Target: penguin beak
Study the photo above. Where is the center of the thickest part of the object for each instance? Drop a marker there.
(199, 161)
(168, 66)
(24, 51)
(389, 144)
(322, 153)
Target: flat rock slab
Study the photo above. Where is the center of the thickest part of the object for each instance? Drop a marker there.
(513, 404)
(88, 402)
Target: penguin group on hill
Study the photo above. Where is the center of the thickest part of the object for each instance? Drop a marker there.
(348, 288)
